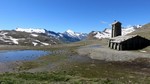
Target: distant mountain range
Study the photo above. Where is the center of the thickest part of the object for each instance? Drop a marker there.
(43, 37)
(107, 32)
(67, 36)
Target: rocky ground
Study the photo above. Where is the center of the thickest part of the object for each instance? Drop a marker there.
(104, 53)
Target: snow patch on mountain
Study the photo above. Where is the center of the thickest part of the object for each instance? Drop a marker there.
(107, 32)
(31, 30)
(76, 35)
(68, 36)
(34, 43)
(15, 41)
(34, 35)
(71, 33)
(8, 39)
(46, 44)
(100, 35)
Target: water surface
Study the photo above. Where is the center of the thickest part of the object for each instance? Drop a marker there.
(21, 55)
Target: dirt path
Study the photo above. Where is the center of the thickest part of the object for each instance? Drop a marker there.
(104, 53)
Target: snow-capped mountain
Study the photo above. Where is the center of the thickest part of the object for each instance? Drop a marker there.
(73, 34)
(11, 37)
(107, 32)
(67, 36)
(41, 37)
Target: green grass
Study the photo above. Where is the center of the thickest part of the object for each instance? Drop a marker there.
(69, 77)
(32, 78)
(113, 72)
(28, 65)
(144, 31)
(47, 77)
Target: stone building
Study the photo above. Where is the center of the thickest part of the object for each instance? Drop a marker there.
(116, 29)
(129, 42)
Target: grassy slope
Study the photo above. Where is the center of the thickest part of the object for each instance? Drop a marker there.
(144, 31)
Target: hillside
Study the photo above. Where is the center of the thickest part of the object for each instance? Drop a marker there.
(11, 37)
(144, 31)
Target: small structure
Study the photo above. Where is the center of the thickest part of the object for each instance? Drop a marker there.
(116, 29)
(129, 42)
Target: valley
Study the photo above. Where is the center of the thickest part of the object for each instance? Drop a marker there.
(75, 58)
(79, 62)
(74, 42)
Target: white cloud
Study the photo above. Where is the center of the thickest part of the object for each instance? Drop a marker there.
(103, 22)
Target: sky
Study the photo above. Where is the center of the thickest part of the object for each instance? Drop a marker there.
(77, 15)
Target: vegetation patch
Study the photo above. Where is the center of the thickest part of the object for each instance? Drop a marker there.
(33, 78)
(28, 65)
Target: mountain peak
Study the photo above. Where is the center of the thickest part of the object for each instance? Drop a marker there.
(70, 31)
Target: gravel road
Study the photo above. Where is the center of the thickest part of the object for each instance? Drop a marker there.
(107, 54)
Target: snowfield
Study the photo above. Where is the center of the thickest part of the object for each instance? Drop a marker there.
(31, 30)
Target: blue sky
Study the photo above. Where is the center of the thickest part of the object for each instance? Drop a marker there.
(77, 15)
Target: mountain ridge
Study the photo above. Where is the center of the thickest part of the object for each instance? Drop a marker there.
(106, 33)
(67, 36)
(43, 37)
